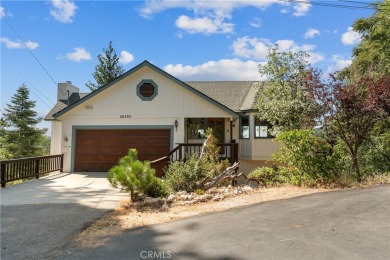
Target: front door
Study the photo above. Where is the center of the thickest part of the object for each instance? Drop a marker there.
(217, 124)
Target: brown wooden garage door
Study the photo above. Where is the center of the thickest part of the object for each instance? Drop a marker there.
(99, 150)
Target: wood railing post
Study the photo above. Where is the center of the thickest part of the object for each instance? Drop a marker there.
(62, 163)
(37, 169)
(3, 174)
(180, 152)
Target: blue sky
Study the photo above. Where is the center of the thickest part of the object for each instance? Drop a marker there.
(192, 40)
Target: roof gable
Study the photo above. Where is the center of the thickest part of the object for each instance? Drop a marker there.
(135, 69)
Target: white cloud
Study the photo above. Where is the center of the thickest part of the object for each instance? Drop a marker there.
(18, 44)
(284, 11)
(79, 54)
(223, 8)
(63, 10)
(339, 63)
(203, 25)
(126, 57)
(311, 33)
(301, 8)
(257, 49)
(2, 12)
(251, 48)
(210, 16)
(256, 22)
(225, 69)
(350, 37)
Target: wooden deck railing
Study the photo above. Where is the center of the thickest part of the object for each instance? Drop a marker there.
(182, 151)
(12, 170)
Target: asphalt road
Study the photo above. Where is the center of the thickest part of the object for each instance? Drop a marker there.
(347, 224)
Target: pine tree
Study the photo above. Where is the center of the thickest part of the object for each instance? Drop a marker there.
(107, 70)
(20, 135)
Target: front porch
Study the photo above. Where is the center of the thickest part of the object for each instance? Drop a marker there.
(194, 136)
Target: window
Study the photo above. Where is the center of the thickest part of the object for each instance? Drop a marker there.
(196, 128)
(147, 90)
(244, 127)
(262, 129)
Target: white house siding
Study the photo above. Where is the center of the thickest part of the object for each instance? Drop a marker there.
(56, 136)
(255, 152)
(173, 102)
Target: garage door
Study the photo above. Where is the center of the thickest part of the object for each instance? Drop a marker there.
(99, 150)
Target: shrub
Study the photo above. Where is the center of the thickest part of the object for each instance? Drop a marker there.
(188, 175)
(268, 176)
(375, 152)
(309, 159)
(136, 177)
(184, 175)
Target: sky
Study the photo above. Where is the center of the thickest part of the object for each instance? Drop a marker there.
(47, 42)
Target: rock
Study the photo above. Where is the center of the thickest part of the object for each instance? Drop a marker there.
(203, 198)
(165, 207)
(196, 200)
(247, 188)
(188, 202)
(189, 197)
(213, 190)
(230, 187)
(151, 201)
(221, 190)
(228, 195)
(171, 198)
(208, 196)
(215, 199)
(179, 193)
(235, 191)
(183, 197)
(222, 197)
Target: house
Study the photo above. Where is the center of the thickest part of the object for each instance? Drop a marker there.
(150, 110)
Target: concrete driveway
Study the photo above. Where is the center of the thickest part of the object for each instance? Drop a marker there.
(41, 216)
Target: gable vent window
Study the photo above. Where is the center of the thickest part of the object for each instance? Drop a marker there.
(147, 90)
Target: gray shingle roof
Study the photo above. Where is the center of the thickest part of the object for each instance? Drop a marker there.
(236, 95)
(63, 104)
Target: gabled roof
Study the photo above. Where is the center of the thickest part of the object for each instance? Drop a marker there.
(62, 104)
(128, 73)
(236, 95)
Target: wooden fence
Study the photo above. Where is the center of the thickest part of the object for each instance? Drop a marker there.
(17, 169)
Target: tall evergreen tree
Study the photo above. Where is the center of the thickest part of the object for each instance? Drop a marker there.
(372, 55)
(107, 70)
(20, 135)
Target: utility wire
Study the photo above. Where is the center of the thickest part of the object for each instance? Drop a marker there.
(329, 4)
(35, 57)
(21, 75)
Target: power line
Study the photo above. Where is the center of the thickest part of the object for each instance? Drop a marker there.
(20, 74)
(35, 57)
(329, 4)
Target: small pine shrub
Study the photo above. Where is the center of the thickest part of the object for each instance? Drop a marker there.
(136, 177)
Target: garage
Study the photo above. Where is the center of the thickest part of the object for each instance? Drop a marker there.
(99, 150)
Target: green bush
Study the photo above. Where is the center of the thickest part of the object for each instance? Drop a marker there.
(188, 175)
(375, 153)
(268, 176)
(136, 177)
(308, 159)
(184, 175)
